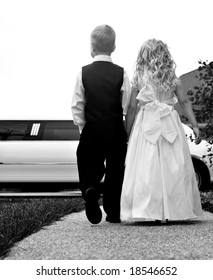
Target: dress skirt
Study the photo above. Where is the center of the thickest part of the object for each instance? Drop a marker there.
(159, 181)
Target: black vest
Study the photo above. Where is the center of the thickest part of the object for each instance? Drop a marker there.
(102, 82)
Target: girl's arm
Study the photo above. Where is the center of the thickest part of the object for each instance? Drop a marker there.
(132, 109)
(188, 111)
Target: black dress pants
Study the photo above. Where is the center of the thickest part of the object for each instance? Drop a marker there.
(101, 152)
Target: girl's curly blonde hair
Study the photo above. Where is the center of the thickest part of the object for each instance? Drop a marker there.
(155, 57)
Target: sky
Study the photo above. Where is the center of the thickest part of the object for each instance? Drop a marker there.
(44, 44)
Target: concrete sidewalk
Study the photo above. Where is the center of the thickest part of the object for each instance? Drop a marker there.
(74, 238)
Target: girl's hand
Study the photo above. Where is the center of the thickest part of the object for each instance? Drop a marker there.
(197, 135)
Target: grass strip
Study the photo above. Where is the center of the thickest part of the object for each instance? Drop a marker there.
(20, 217)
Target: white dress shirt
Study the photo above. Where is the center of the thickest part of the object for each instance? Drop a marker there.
(78, 101)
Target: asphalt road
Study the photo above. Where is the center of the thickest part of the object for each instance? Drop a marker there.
(74, 238)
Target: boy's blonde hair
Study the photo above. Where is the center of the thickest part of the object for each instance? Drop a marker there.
(154, 56)
(103, 39)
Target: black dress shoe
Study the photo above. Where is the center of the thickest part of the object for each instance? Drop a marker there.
(93, 211)
(113, 219)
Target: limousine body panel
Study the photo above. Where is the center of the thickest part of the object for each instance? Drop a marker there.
(39, 173)
(38, 151)
(38, 161)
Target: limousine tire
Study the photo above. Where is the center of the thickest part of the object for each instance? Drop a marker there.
(202, 174)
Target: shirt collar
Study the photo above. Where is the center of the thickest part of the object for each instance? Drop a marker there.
(102, 57)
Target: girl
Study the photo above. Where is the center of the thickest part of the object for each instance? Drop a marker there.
(159, 181)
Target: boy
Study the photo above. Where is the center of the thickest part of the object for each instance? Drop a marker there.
(101, 97)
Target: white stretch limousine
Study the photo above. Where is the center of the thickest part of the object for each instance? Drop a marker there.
(45, 151)
(38, 151)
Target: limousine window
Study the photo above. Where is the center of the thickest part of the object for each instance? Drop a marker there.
(60, 130)
(13, 130)
(38, 130)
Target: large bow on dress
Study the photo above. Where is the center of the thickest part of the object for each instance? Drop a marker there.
(156, 120)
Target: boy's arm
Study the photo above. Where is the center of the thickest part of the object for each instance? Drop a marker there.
(132, 111)
(78, 103)
(126, 93)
